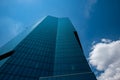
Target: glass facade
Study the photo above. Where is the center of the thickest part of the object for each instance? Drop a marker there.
(51, 51)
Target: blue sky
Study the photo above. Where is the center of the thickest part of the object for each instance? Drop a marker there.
(97, 21)
(25, 13)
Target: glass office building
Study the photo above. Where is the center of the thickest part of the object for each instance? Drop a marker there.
(51, 51)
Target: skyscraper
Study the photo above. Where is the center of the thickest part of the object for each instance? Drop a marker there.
(51, 51)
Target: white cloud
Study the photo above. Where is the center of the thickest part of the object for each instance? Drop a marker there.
(105, 40)
(89, 6)
(106, 57)
(93, 42)
(112, 72)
